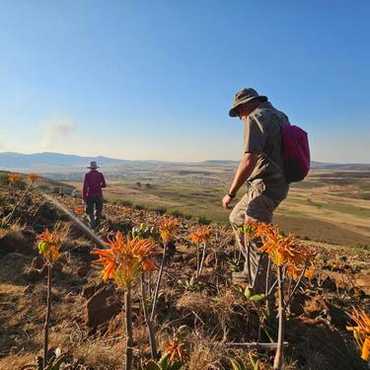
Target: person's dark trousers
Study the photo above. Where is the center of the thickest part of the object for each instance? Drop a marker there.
(94, 208)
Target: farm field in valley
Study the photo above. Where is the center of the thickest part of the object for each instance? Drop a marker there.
(329, 206)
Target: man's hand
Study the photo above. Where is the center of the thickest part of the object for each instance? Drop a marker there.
(246, 166)
(226, 201)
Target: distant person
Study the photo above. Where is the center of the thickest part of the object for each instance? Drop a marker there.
(261, 167)
(93, 194)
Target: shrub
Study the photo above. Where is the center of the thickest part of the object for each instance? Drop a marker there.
(204, 220)
(125, 203)
(176, 213)
(160, 210)
(139, 207)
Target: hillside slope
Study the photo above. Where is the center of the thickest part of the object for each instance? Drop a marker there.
(210, 311)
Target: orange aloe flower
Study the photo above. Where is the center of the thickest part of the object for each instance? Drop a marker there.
(175, 350)
(200, 235)
(49, 244)
(293, 271)
(14, 177)
(361, 332)
(167, 228)
(79, 211)
(125, 259)
(310, 272)
(33, 177)
(284, 250)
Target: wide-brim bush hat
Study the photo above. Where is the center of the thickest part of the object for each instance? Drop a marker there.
(244, 96)
(93, 165)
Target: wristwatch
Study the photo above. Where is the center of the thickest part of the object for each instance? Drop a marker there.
(231, 195)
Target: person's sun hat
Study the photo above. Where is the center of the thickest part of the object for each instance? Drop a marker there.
(244, 96)
(93, 165)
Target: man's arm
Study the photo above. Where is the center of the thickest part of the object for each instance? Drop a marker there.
(246, 166)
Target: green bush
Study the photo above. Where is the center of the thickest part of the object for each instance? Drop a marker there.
(125, 203)
(139, 207)
(176, 213)
(160, 210)
(3, 179)
(204, 220)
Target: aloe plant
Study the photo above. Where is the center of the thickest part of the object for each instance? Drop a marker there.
(164, 364)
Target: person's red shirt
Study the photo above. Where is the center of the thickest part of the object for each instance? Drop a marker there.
(93, 184)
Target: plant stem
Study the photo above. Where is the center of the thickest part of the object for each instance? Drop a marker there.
(269, 300)
(160, 273)
(279, 356)
(47, 318)
(296, 286)
(128, 324)
(149, 324)
(248, 261)
(202, 260)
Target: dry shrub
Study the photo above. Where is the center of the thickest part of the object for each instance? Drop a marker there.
(224, 315)
(16, 361)
(224, 304)
(207, 355)
(194, 301)
(15, 227)
(101, 355)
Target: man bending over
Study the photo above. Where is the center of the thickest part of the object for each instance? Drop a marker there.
(261, 167)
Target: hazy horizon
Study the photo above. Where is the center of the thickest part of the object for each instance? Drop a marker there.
(174, 161)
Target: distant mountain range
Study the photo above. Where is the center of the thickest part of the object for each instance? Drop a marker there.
(57, 162)
(40, 161)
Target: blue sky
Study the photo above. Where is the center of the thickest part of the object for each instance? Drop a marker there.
(154, 79)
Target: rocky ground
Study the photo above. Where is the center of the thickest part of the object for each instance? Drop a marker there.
(86, 321)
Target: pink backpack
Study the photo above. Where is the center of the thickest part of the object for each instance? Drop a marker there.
(296, 153)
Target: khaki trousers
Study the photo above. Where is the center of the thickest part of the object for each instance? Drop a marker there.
(254, 206)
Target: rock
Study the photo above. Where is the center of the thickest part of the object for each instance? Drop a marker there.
(337, 316)
(329, 284)
(90, 289)
(101, 307)
(325, 347)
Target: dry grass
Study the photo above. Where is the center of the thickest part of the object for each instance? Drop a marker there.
(207, 355)
(17, 361)
(213, 313)
(194, 301)
(100, 355)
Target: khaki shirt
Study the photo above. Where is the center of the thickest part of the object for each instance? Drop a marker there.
(262, 136)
